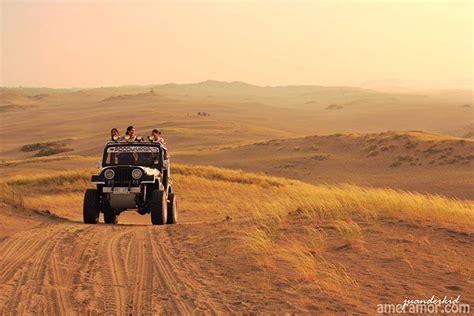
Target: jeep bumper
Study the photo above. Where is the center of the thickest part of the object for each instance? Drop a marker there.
(121, 190)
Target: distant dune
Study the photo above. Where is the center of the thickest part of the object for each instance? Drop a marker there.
(415, 161)
(149, 96)
(11, 101)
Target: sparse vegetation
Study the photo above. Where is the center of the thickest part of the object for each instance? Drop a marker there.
(387, 148)
(131, 97)
(46, 149)
(320, 157)
(40, 146)
(433, 150)
(395, 164)
(373, 153)
(350, 232)
(410, 145)
(52, 151)
(203, 114)
(371, 148)
(334, 107)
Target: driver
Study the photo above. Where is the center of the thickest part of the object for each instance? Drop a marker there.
(127, 159)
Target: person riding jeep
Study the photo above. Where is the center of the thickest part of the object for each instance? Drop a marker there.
(156, 135)
(129, 134)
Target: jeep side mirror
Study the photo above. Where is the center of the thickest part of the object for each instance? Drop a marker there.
(97, 164)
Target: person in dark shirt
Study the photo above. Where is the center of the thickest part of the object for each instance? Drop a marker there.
(114, 134)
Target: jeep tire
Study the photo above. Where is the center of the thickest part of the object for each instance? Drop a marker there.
(91, 207)
(172, 209)
(110, 217)
(158, 207)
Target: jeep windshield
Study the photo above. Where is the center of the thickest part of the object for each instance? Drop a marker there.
(147, 156)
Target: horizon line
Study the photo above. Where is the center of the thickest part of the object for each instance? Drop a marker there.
(394, 88)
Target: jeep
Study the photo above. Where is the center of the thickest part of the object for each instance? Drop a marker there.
(133, 176)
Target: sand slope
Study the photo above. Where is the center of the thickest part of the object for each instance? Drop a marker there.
(414, 161)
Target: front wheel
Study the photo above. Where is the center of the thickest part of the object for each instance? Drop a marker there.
(172, 209)
(159, 207)
(110, 217)
(91, 207)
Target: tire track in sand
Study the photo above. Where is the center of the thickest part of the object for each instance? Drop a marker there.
(35, 273)
(176, 283)
(71, 268)
(114, 281)
(17, 249)
(140, 271)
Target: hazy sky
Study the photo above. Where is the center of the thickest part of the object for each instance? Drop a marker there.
(426, 44)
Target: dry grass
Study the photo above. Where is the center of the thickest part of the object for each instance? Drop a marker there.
(60, 204)
(350, 232)
(339, 202)
(58, 181)
(45, 159)
(284, 238)
(236, 176)
(272, 199)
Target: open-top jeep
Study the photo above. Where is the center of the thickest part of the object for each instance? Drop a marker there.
(134, 175)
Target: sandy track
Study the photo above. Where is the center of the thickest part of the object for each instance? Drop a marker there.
(65, 268)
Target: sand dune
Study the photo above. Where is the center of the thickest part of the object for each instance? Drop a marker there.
(297, 110)
(143, 97)
(11, 101)
(415, 161)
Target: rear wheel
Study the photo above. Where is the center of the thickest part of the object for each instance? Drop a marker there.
(172, 209)
(159, 207)
(91, 207)
(110, 217)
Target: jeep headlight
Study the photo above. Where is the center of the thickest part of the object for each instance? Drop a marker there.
(137, 174)
(109, 174)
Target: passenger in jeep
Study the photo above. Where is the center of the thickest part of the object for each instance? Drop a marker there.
(114, 134)
(157, 136)
(129, 134)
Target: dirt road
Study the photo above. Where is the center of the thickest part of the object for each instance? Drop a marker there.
(54, 266)
(64, 268)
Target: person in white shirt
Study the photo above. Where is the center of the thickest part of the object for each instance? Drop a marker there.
(129, 134)
(157, 136)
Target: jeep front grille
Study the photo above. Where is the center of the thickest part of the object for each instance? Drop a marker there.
(123, 175)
